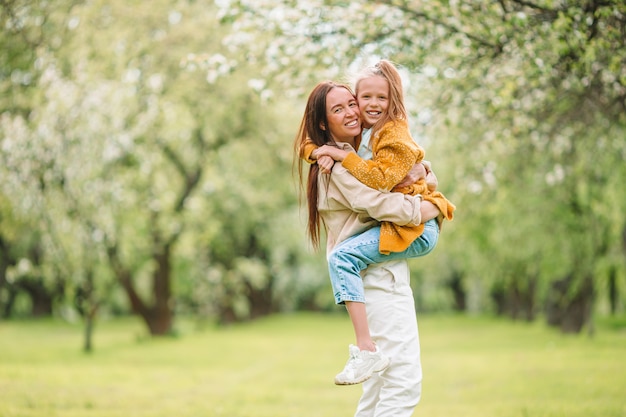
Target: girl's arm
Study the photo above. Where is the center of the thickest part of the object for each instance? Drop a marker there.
(390, 165)
(307, 151)
(310, 153)
(331, 151)
(395, 153)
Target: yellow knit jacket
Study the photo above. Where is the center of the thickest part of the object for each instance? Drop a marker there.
(394, 154)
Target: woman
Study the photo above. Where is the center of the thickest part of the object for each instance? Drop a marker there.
(347, 207)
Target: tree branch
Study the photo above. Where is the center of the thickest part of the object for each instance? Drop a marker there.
(190, 179)
(449, 27)
(532, 5)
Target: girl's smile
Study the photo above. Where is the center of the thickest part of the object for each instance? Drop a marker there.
(373, 98)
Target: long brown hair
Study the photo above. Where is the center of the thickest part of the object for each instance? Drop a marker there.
(396, 110)
(310, 131)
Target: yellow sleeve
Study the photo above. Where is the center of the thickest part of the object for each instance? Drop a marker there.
(306, 150)
(395, 153)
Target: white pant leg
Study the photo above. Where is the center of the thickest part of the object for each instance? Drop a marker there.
(393, 325)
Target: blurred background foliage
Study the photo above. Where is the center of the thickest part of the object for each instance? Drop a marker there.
(146, 154)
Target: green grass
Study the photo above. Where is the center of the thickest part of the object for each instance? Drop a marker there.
(283, 366)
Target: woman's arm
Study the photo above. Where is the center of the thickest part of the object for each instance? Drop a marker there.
(417, 172)
(398, 208)
(428, 211)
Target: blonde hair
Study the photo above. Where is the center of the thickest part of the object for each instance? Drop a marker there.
(387, 70)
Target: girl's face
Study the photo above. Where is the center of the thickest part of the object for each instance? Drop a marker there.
(373, 98)
(342, 113)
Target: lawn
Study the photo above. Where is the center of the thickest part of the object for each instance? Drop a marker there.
(283, 366)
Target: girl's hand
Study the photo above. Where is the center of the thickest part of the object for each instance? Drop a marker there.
(325, 163)
(335, 153)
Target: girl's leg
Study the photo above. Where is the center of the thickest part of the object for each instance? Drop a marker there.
(365, 358)
(348, 290)
(345, 264)
(358, 316)
(355, 254)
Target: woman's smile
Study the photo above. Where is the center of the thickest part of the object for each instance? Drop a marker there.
(342, 114)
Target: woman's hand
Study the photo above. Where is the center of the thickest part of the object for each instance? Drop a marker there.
(431, 181)
(428, 211)
(418, 171)
(431, 178)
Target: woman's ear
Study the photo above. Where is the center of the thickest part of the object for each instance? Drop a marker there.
(322, 126)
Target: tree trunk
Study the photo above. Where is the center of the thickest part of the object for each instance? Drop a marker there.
(5, 261)
(88, 334)
(87, 306)
(7, 308)
(455, 283)
(613, 290)
(570, 312)
(516, 297)
(159, 316)
(261, 301)
(40, 297)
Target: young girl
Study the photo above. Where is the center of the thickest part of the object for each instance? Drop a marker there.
(386, 140)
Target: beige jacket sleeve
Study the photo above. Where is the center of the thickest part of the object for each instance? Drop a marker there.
(397, 208)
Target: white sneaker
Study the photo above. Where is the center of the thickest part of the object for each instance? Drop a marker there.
(361, 365)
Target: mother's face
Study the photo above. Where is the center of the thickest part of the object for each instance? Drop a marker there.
(342, 113)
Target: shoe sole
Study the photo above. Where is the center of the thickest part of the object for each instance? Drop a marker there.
(378, 368)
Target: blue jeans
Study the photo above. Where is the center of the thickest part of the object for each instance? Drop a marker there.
(356, 253)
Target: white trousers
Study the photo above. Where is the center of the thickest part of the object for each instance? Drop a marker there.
(393, 325)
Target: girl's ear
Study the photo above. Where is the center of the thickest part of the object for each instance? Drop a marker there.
(322, 126)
